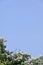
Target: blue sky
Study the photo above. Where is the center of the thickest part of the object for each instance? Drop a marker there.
(21, 23)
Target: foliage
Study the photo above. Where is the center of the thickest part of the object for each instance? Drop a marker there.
(17, 58)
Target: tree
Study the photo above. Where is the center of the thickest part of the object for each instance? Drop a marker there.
(18, 58)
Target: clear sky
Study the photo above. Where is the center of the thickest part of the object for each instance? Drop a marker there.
(21, 23)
